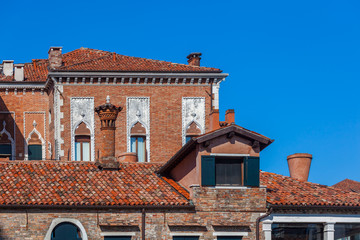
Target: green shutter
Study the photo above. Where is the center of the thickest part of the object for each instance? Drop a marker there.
(251, 171)
(207, 170)
(35, 152)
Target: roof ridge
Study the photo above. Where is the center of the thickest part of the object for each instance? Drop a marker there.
(90, 60)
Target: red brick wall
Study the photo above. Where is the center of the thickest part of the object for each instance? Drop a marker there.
(165, 114)
(20, 103)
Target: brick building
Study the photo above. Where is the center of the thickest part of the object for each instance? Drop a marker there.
(97, 145)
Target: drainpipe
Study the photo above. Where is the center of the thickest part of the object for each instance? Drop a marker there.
(143, 224)
(258, 223)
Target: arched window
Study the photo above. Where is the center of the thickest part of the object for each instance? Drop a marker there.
(138, 141)
(192, 131)
(66, 231)
(82, 143)
(34, 147)
(5, 146)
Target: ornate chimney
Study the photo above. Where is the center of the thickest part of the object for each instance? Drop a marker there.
(299, 165)
(108, 114)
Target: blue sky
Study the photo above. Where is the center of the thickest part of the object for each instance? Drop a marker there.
(294, 65)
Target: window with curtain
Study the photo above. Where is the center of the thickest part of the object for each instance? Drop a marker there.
(138, 142)
(82, 143)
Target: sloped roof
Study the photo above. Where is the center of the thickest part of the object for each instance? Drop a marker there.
(287, 191)
(84, 184)
(86, 59)
(348, 185)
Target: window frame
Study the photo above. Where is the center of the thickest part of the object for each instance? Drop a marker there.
(82, 139)
(137, 136)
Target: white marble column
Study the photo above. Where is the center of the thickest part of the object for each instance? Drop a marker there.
(267, 230)
(329, 229)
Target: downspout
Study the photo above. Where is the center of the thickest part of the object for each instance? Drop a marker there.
(143, 224)
(258, 222)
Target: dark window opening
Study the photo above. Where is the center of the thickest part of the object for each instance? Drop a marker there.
(297, 231)
(66, 231)
(229, 171)
(5, 150)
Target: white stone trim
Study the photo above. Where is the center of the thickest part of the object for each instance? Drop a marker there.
(329, 220)
(57, 221)
(186, 234)
(117, 234)
(12, 141)
(82, 111)
(193, 110)
(58, 115)
(215, 91)
(138, 110)
(34, 130)
(229, 234)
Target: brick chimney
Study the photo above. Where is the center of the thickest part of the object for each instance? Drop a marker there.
(194, 59)
(19, 72)
(299, 165)
(8, 67)
(55, 57)
(230, 116)
(108, 114)
(214, 119)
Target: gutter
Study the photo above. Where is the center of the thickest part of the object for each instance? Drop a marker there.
(258, 222)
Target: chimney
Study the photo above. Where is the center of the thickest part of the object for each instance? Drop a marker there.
(214, 119)
(128, 157)
(19, 72)
(299, 165)
(8, 67)
(230, 116)
(194, 59)
(55, 57)
(108, 114)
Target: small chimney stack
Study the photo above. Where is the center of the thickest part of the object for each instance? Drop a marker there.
(19, 72)
(194, 59)
(299, 165)
(55, 57)
(214, 120)
(128, 157)
(230, 116)
(108, 114)
(8, 67)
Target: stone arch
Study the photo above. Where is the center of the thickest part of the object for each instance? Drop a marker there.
(9, 139)
(57, 221)
(35, 137)
(80, 128)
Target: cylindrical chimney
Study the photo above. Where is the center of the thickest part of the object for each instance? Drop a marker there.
(129, 157)
(108, 114)
(299, 165)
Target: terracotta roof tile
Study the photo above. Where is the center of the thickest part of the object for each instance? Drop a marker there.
(82, 183)
(348, 185)
(86, 59)
(282, 190)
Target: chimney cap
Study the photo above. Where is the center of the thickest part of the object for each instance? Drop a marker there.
(299, 155)
(54, 48)
(194, 54)
(8, 61)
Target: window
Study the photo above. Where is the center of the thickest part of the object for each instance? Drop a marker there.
(5, 150)
(229, 171)
(295, 231)
(347, 231)
(66, 230)
(82, 143)
(138, 142)
(34, 147)
(185, 238)
(192, 131)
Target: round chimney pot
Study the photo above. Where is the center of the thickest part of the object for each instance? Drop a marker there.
(129, 157)
(299, 165)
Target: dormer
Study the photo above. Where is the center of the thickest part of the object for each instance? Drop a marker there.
(225, 157)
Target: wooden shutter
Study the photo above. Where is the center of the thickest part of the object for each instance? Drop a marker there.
(251, 171)
(207, 170)
(35, 152)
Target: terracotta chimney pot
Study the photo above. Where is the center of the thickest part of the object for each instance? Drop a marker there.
(127, 157)
(299, 165)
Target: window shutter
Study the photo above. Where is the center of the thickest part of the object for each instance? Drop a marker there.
(35, 152)
(207, 170)
(251, 173)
